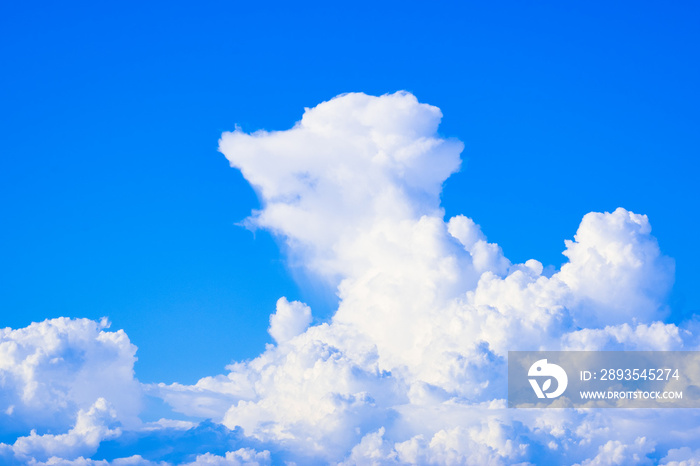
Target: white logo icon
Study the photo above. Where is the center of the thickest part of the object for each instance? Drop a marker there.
(542, 369)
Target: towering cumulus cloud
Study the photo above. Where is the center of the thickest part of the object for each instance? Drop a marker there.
(411, 368)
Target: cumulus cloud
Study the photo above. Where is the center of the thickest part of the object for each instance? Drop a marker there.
(290, 320)
(434, 303)
(49, 371)
(486, 257)
(135, 460)
(684, 456)
(614, 452)
(91, 428)
(489, 443)
(350, 166)
(616, 270)
(244, 456)
(411, 368)
(656, 336)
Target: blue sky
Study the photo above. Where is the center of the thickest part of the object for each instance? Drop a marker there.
(116, 202)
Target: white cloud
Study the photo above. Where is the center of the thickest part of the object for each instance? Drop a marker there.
(439, 318)
(91, 427)
(290, 320)
(616, 270)
(412, 366)
(614, 452)
(314, 395)
(372, 449)
(486, 443)
(241, 457)
(684, 456)
(349, 165)
(486, 257)
(51, 370)
(135, 460)
(656, 336)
